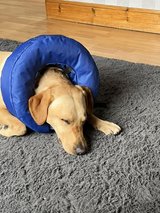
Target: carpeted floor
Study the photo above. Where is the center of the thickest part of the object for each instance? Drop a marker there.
(120, 174)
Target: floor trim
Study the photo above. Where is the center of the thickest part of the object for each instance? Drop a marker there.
(111, 16)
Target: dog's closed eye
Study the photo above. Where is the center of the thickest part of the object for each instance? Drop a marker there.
(66, 121)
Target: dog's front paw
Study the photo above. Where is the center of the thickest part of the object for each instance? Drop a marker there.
(110, 128)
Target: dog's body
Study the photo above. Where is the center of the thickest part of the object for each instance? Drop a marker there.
(61, 104)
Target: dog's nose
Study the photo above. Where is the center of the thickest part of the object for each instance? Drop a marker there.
(80, 150)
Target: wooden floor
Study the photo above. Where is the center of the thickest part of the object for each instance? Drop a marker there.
(21, 20)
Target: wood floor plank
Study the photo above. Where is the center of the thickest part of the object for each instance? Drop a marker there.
(21, 20)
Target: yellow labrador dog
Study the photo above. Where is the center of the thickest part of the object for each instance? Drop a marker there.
(61, 104)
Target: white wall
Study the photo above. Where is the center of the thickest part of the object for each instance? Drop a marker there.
(148, 4)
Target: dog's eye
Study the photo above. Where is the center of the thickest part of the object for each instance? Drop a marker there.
(66, 121)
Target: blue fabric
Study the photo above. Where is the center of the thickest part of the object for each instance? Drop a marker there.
(23, 65)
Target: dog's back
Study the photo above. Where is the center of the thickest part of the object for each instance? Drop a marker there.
(3, 58)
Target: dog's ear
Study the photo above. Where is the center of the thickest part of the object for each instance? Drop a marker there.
(38, 106)
(88, 97)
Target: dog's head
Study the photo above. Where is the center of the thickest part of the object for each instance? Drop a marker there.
(65, 109)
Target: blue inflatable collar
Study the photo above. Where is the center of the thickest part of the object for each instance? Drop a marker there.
(24, 64)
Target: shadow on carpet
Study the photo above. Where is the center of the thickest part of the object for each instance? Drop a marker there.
(120, 173)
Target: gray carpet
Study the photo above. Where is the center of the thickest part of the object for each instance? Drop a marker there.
(120, 174)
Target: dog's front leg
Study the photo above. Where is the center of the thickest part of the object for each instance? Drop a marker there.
(103, 126)
(10, 125)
